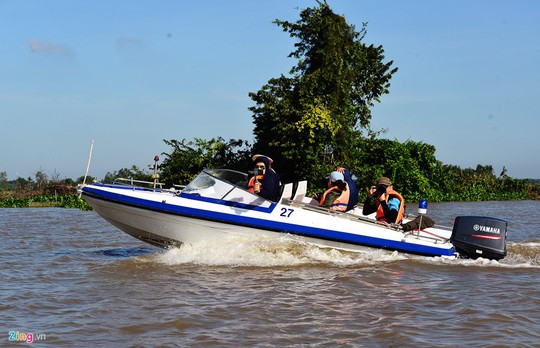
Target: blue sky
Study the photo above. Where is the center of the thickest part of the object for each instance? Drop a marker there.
(128, 74)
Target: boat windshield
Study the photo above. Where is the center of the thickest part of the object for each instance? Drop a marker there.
(223, 184)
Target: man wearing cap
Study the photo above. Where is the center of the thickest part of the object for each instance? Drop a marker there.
(388, 204)
(338, 193)
(267, 183)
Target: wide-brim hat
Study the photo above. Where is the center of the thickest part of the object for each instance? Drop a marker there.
(384, 181)
(254, 158)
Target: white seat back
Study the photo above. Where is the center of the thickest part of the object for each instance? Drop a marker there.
(287, 191)
(300, 191)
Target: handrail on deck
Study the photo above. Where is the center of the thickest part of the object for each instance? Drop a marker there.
(344, 215)
(351, 216)
(133, 182)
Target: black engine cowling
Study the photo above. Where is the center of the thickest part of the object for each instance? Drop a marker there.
(480, 236)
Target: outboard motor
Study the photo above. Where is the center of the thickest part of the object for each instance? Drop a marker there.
(479, 236)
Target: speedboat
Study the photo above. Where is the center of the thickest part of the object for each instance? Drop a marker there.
(216, 204)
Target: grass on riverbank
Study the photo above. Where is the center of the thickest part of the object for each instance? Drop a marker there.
(59, 201)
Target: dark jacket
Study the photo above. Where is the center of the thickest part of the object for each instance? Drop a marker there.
(270, 183)
(353, 195)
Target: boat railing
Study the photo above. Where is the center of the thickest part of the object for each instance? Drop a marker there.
(345, 215)
(352, 216)
(426, 235)
(146, 184)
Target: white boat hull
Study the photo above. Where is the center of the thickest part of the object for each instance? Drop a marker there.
(160, 229)
(165, 230)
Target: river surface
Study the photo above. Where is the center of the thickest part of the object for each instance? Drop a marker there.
(69, 279)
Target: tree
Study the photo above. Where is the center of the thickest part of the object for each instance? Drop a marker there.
(325, 103)
(41, 180)
(23, 184)
(411, 166)
(3, 181)
(89, 179)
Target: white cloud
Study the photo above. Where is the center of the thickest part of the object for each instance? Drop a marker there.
(40, 46)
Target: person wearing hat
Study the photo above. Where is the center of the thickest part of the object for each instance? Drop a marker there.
(336, 197)
(388, 204)
(265, 182)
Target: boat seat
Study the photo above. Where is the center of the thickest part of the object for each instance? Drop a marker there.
(286, 191)
(300, 192)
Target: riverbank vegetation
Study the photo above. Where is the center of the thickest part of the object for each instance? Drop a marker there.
(45, 201)
(40, 192)
(412, 166)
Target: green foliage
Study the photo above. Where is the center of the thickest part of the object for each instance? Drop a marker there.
(61, 201)
(74, 201)
(417, 174)
(42, 192)
(41, 180)
(128, 173)
(22, 184)
(326, 101)
(89, 179)
(4, 184)
(14, 202)
(409, 164)
(189, 158)
(532, 188)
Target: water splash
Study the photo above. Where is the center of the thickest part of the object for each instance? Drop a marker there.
(287, 250)
(524, 254)
(520, 255)
(263, 251)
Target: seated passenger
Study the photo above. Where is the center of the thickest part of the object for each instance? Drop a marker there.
(337, 195)
(265, 181)
(388, 204)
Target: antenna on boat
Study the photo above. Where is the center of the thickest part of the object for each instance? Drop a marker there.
(155, 175)
(88, 165)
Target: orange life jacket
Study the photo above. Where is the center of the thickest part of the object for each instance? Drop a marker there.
(251, 183)
(380, 211)
(340, 203)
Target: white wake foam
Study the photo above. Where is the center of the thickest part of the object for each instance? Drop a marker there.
(287, 250)
(267, 252)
